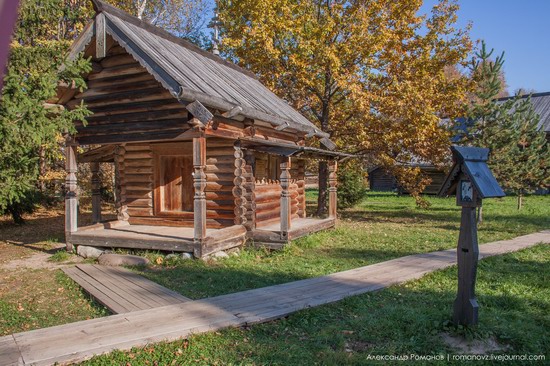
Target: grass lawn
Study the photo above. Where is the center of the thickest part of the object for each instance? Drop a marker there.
(381, 227)
(513, 291)
(40, 297)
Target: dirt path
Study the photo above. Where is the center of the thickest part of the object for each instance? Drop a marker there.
(39, 260)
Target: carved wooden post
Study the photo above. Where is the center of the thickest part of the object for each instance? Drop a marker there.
(251, 185)
(466, 306)
(199, 183)
(301, 188)
(100, 36)
(332, 182)
(285, 197)
(71, 196)
(472, 181)
(120, 187)
(239, 189)
(96, 193)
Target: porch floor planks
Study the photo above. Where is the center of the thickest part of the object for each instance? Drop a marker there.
(120, 290)
(296, 224)
(138, 328)
(171, 238)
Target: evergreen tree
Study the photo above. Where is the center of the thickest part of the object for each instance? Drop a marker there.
(519, 150)
(27, 126)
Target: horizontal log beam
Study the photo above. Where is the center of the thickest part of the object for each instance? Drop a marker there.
(131, 69)
(156, 115)
(137, 137)
(118, 88)
(120, 80)
(117, 60)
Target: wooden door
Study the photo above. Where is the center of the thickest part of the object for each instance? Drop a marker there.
(173, 194)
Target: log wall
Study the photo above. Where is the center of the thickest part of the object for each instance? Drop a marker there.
(137, 184)
(135, 166)
(137, 190)
(268, 191)
(128, 104)
(220, 168)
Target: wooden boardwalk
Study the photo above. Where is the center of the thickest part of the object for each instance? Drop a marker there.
(120, 290)
(91, 337)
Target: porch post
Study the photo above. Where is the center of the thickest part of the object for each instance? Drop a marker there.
(120, 184)
(96, 193)
(332, 182)
(199, 183)
(285, 197)
(71, 196)
(250, 160)
(239, 186)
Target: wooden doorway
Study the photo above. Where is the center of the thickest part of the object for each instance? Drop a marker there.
(173, 191)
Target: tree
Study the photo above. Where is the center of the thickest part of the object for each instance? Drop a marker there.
(520, 158)
(30, 131)
(370, 73)
(524, 91)
(28, 128)
(183, 18)
(519, 151)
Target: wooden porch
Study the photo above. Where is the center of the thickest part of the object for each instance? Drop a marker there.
(121, 234)
(269, 235)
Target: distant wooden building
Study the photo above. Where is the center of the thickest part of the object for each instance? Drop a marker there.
(206, 157)
(382, 180)
(541, 106)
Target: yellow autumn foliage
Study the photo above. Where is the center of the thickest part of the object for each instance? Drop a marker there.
(372, 73)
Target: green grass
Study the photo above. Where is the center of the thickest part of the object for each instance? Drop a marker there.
(381, 227)
(42, 298)
(60, 256)
(513, 291)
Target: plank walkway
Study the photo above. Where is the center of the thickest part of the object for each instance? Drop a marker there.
(82, 340)
(120, 290)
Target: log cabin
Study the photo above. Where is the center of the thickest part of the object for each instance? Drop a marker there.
(205, 156)
(383, 181)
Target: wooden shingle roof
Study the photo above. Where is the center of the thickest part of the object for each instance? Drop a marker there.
(190, 73)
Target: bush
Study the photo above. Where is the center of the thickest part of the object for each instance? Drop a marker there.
(351, 183)
(26, 203)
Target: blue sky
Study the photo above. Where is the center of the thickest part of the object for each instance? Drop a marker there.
(520, 28)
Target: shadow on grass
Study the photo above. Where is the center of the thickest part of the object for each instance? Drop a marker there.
(374, 256)
(400, 320)
(441, 215)
(40, 229)
(198, 281)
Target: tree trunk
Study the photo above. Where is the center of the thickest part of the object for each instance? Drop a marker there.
(323, 189)
(43, 169)
(480, 214)
(520, 200)
(323, 165)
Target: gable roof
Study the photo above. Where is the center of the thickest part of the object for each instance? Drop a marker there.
(471, 161)
(190, 73)
(541, 105)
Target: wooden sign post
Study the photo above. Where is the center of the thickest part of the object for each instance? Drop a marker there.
(471, 180)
